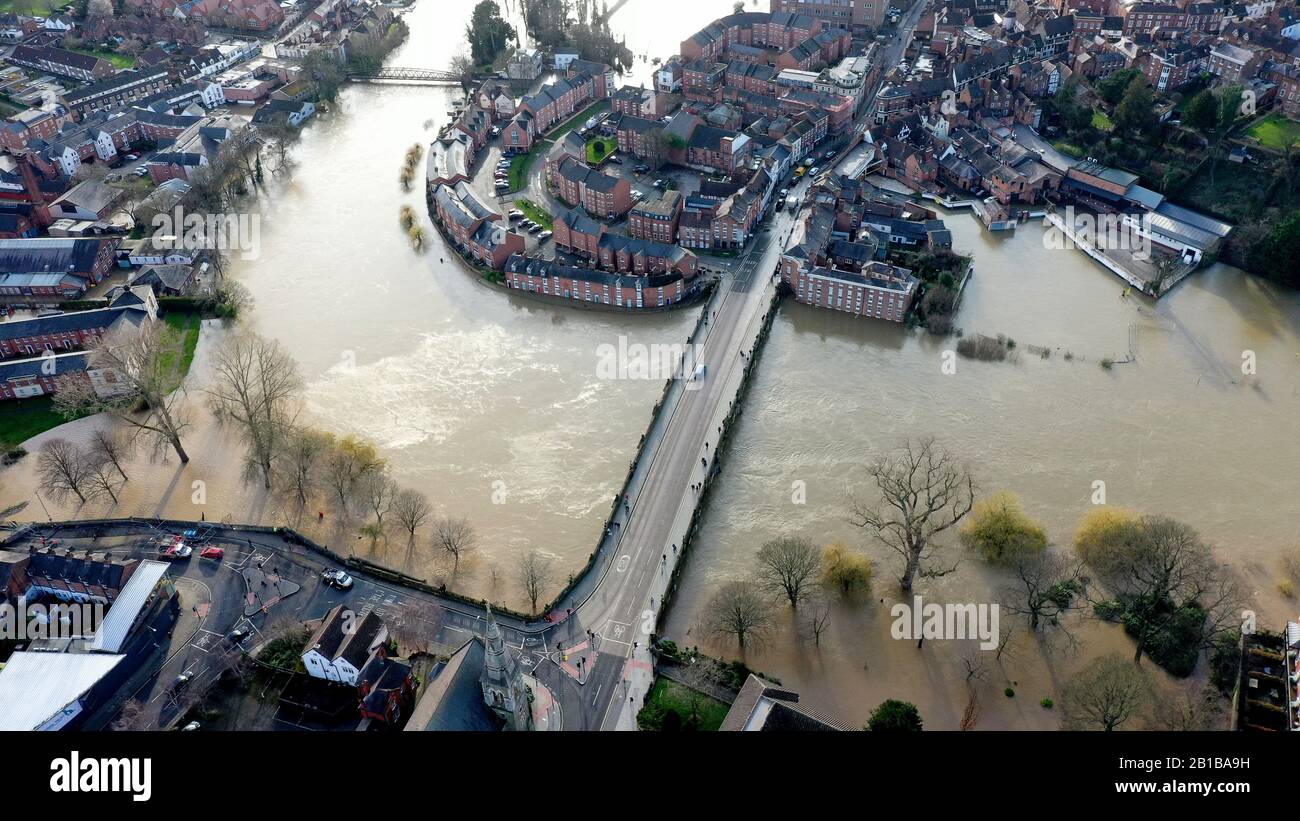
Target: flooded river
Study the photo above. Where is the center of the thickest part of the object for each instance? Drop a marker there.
(491, 404)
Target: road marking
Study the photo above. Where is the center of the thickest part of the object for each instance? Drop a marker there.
(618, 629)
(623, 562)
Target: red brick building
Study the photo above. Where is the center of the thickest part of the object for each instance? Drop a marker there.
(656, 218)
(577, 184)
(585, 285)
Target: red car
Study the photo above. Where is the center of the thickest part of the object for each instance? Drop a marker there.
(217, 553)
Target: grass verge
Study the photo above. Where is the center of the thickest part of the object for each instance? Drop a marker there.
(694, 710)
(535, 213)
(21, 419)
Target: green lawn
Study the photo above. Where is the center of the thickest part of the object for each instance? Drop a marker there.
(1275, 132)
(1100, 121)
(600, 148)
(669, 696)
(22, 419)
(577, 120)
(34, 8)
(118, 60)
(1232, 192)
(534, 212)
(519, 165)
(1068, 148)
(180, 359)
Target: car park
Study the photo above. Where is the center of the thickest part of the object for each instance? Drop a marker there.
(337, 579)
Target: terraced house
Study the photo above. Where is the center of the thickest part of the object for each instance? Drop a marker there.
(42, 355)
(586, 285)
(44, 270)
(71, 64)
(121, 89)
(552, 104)
(602, 195)
(476, 229)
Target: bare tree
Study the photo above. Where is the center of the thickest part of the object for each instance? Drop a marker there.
(142, 363)
(786, 565)
(102, 478)
(534, 575)
(817, 615)
(1189, 710)
(739, 610)
(412, 509)
(255, 383)
(455, 536)
(63, 470)
(378, 490)
(1047, 587)
(923, 492)
(109, 445)
(303, 457)
(1105, 695)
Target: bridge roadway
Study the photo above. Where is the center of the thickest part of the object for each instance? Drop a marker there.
(620, 599)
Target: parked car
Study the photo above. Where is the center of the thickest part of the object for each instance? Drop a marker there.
(545, 235)
(503, 185)
(191, 727)
(337, 579)
(616, 160)
(829, 154)
(783, 193)
(637, 196)
(175, 549)
(496, 130)
(516, 215)
(535, 228)
(240, 633)
(641, 169)
(217, 553)
(132, 157)
(812, 172)
(140, 171)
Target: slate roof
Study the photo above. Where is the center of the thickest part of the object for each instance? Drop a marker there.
(333, 642)
(762, 706)
(49, 254)
(453, 699)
